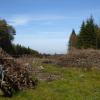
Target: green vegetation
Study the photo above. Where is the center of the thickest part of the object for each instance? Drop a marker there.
(67, 83)
(7, 33)
(20, 50)
(88, 37)
(74, 84)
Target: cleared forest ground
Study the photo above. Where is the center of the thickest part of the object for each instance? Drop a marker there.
(61, 83)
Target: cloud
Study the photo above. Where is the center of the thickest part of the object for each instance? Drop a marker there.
(48, 17)
(17, 20)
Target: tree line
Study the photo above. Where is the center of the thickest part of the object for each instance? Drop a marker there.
(7, 33)
(88, 36)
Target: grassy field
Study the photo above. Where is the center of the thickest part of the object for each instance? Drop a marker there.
(69, 84)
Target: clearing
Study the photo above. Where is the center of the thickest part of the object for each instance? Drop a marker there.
(61, 83)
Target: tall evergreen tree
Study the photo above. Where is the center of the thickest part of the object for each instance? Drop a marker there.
(72, 40)
(87, 35)
(97, 29)
(80, 41)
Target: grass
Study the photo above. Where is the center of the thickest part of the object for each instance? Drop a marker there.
(74, 84)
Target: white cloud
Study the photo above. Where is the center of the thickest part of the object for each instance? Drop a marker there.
(19, 20)
(48, 17)
(25, 19)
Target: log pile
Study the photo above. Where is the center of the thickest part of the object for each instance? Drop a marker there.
(14, 76)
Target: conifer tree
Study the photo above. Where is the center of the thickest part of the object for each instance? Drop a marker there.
(72, 40)
(87, 35)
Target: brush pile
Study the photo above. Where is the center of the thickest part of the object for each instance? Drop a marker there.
(14, 76)
(81, 58)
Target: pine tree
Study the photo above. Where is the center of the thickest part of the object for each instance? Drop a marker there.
(72, 41)
(87, 35)
(97, 29)
(80, 41)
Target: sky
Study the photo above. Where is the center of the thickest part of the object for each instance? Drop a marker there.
(45, 25)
